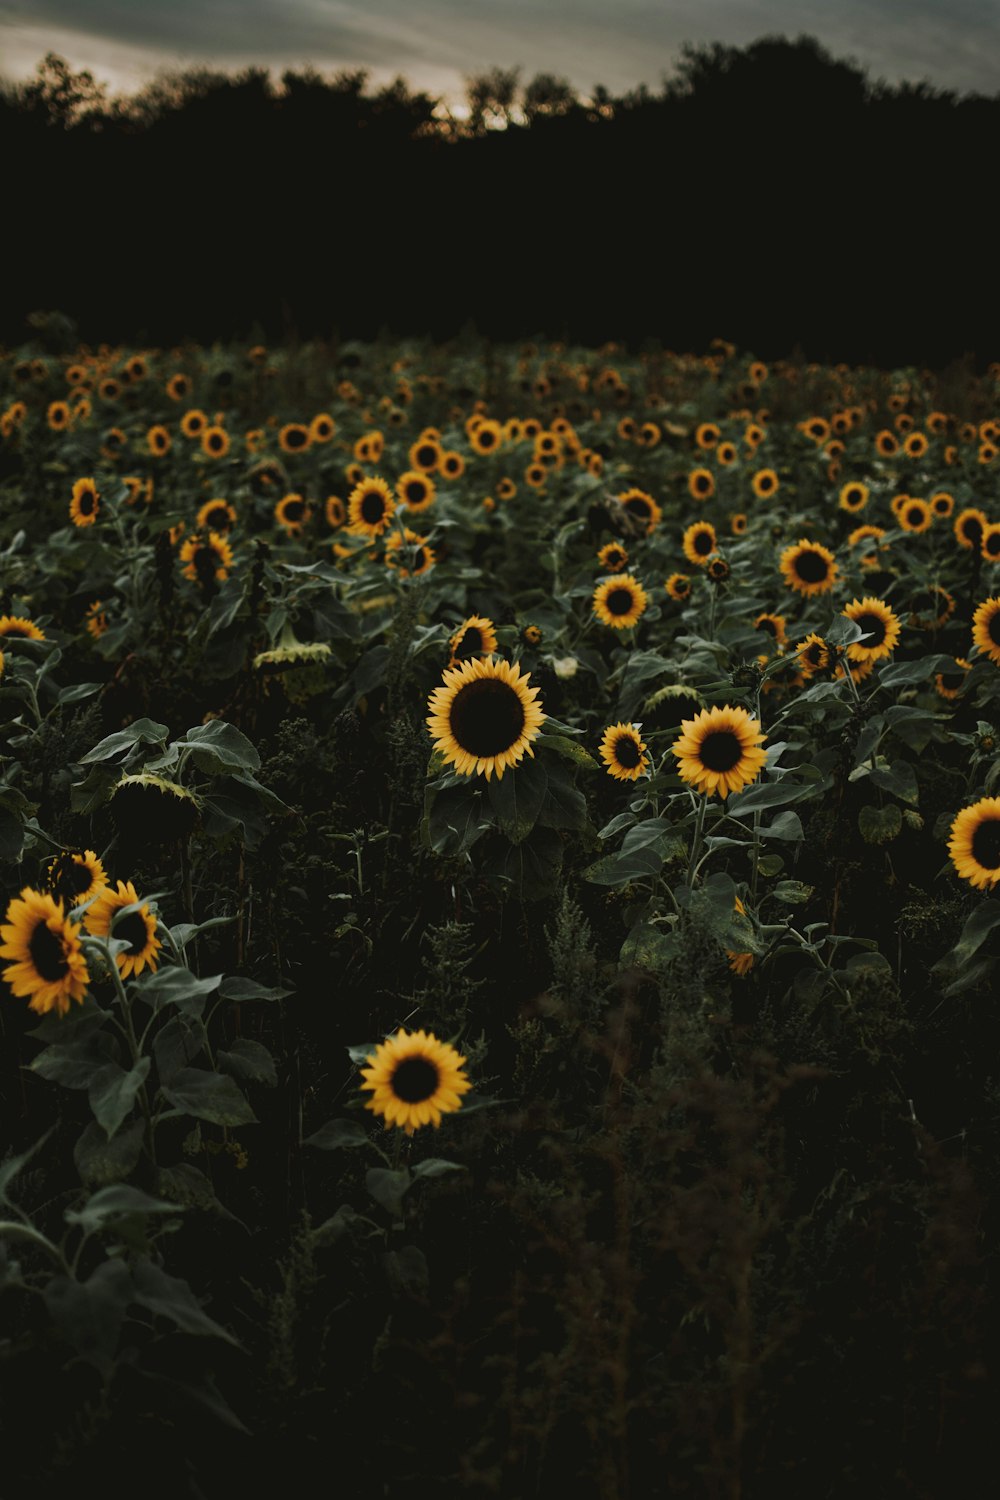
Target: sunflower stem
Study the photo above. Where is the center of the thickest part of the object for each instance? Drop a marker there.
(133, 1041)
(696, 842)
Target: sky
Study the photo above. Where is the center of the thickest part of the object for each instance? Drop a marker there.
(436, 44)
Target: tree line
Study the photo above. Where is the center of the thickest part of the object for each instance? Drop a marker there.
(772, 194)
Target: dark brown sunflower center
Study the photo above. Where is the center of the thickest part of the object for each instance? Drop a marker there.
(704, 542)
(426, 456)
(816, 654)
(874, 628)
(47, 953)
(914, 515)
(854, 497)
(720, 751)
(486, 717)
(215, 441)
(768, 625)
(295, 438)
(991, 544)
(811, 567)
(372, 507)
(627, 752)
(415, 492)
(88, 503)
(972, 530)
(702, 481)
(986, 844)
(16, 632)
(414, 1080)
(619, 602)
(486, 439)
(217, 517)
(765, 481)
(132, 930)
(72, 879)
(471, 643)
(294, 510)
(993, 627)
(639, 506)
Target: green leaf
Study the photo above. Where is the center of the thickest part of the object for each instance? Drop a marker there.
(238, 987)
(248, 1061)
(339, 1135)
(208, 1096)
(880, 825)
(10, 1167)
(176, 1044)
(457, 818)
(190, 1188)
(436, 1166)
(89, 1314)
(142, 732)
(387, 1188)
(185, 931)
(568, 749)
(648, 947)
(767, 794)
(112, 1093)
(116, 1202)
(564, 806)
(174, 985)
(900, 673)
(531, 868)
(217, 748)
(900, 779)
(74, 1064)
(787, 825)
(792, 892)
(170, 1297)
(370, 671)
(516, 798)
(623, 869)
(100, 1161)
(977, 929)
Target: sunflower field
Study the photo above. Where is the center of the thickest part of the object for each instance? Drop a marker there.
(498, 936)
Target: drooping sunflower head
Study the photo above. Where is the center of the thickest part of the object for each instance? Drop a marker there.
(74, 878)
(986, 629)
(137, 928)
(719, 751)
(620, 601)
(699, 543)
(85, 503)
(881, 629)
(149, 809)
(370, 507)
(414, 1079)
(974, 844)
(484, 716)
(476, 636)
(622, 750)
(808, 568)
(669, 706)
(47, 962)
(17, 627)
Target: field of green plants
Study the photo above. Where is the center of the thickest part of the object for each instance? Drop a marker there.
(498, 936)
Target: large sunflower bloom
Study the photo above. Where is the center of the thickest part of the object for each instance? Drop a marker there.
(138, 928)
(415, 1079)
(974, 844)
(880, 625)
(620, 601)
(622, 751)
(986, 628)
(719, 750)
(808, 568)
(484, 716)
(48, 962)
(370, 507)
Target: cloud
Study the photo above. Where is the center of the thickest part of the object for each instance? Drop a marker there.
(435, 43)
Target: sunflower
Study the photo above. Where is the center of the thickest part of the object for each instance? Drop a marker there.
(476, 636)
(642, 507)
(813, 655)
(178, 387)
(536, 475)
(506, 489)
(974, 844)
(620, 601)
(949, 685)
(915, 446)
(678, 586)
(764, 483)
(193, 423)
(97, 620)
(18, 628)
(48, 962)
(206, 557)
(931, 608)
(740, 963)
(774, 626)
(969, 527)
(753, 436)
(699, 542)
(216, 515)
(942, 504)
(215, 442)
(137, 928)
(719, 750)
(866, 533)
(701, 484)
(487, 436)
(986, 629)
(817, 428)
(158, 440)
(990, 545)
(415, 490)
(58, 416)
(613, 557)
(622, 751)
(321, 428)
(914, 514)
(880, 625)
(336, 512)
(137, 489)
(425, 454)
(451, 465)
(726, 454)
(412, 549)
(73, 878)
(808, 568)
(717, 569)
(886, 443)
(370, 507)
(853, 496)
(414, 1079)
(707, 435)
(85, 503)
(113, 442)
(294, 438)
(292, 512)
(484, 716)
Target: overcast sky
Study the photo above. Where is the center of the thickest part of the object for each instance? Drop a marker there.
(435, 44)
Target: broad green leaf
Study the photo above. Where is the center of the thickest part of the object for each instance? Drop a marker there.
(170, 1297)
(238, 987)
(218, 748)
(339, 1135)
(248, 1061)
(516, 798)
(388, 1188)
(208, 1096)
(100, 1161)
(112, 1093)
(116, 1202)
(142, 732)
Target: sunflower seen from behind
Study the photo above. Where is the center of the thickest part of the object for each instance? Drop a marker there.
(47, 962)
(484, 716)
(719, 752)
(414, 1080)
